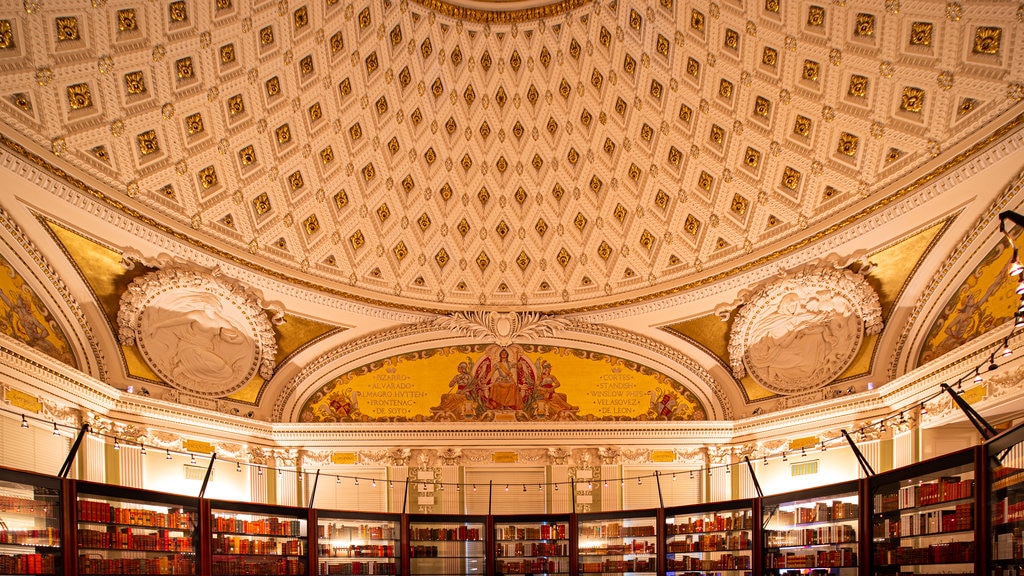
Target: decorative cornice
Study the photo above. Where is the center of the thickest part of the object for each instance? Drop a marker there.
(497, 13)
(502, 328)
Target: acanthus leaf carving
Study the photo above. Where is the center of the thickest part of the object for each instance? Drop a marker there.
(502, 328)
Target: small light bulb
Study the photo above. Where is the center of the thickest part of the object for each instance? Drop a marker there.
(116, 445)
(24, 422)
(168, 453)
(373, 483)
(259, 471)
(506, 487)
(524, 487)
(474, 487)
(193, 461)
(55, 431)
(337, 480)
(357, 481)
(142, 449)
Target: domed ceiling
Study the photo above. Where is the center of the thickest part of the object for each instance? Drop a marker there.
(442, 181)
(552, 156)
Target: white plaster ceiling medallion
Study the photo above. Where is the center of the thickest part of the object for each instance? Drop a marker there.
(803, 330)
(502, 328)
(201, 332)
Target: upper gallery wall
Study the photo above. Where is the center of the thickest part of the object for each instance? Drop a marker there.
(551, 159)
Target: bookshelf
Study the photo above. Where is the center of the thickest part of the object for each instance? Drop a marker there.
(30, 523)
(710, 539)
(447, 545)
(813, 530)
(258, 539)
(532, 544)
(923, 517)
(1004, 456)
(355, 543)
(618, 543)
(122, 530)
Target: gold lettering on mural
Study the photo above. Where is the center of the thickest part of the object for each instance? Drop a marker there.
(976, 394)
(504, 457)
(663, 456)
(20, 399)
(197, 446)
(342, 458)
(799, 443)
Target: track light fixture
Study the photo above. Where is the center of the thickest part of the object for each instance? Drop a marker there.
(168, 453)
(142, 449)
(259, 471)
(116, 445)
(192, 459)
(24, 422)
(55, 431)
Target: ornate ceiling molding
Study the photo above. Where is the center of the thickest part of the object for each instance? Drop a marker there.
(201, 332)
(502, 328)
(803, 330)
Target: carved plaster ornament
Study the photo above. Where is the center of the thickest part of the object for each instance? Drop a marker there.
(804, 329)
(201, 332)
(502, 328)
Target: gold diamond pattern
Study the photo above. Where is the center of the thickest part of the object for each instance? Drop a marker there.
(483, 261)
(135, 82)
(6, 35)
(284, 134)
(815, 16)
(148, 143)
(847, 144)
(247, 155)
(357, 240)
(483, 196)
(79, 96)
(523, 261)
(311, 225)
(67, 28)
(327, 155)
(341, 199)
(557, 191)
(762, 107)
(563, 257)
(501, 229)
(273, 87)
(369, 172)
(647, 239)
(261, 204)
(921, 34)
(620, 212)
(463, 227)
(177, 11)
(692, 225)
(267, 36)
(705, 180)
(858, 86)
(184, 68)
(236, 105)
(408, 184)
(790, 178)
(446, 191)
(810, 71)
(604, 250)
(697, 20)
(986, 40)
(441, 257)
(208, 177)
(769, 56)
(725, 88)
(126, 21)
(383, 212)
(865, 25)
(751, 157)
(802, 126)
(227, 53)
(400, 251)
(580, 221)
(660, 200)
(739, 204)
(912, 99)
(541, 227)
(194, 123)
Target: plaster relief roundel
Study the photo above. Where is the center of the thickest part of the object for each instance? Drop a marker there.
(802, 331)
(199, 332)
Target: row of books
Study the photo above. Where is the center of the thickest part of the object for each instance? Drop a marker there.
(711, 542)
(101, 511)
(1006, 476)
(259, 566)
(717, 523)
(615, 530)
(535, 566)
(350, 568)
(222, 544)
(357, 551)
(26, 564)
(176, 565)
(723, 562)
(114, 538)
(944, 489)
(271, 526)
(459, 533)
(339, 531)
(542, 532)
(816, 559)
(635, 565)
(40, 537)
(820, 512)
(532, 549)
(945, 553)
(634, 547)
(1004, 511)
(831, 534)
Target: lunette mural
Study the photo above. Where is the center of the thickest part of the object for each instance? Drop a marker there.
(482, 383)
